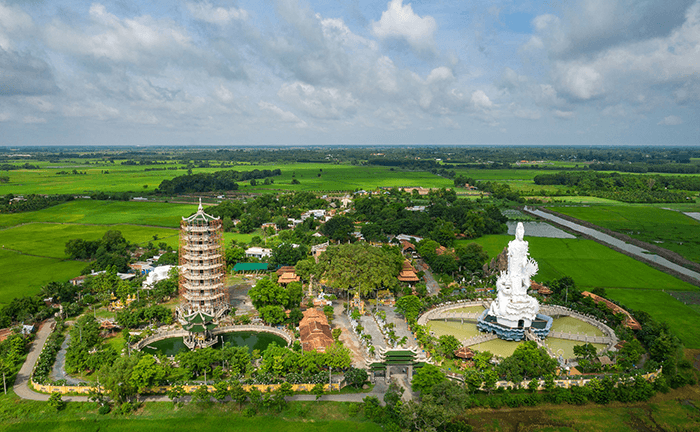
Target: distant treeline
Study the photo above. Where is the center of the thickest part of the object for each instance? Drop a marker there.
(216, 181)
(10, 167)
(31, 202)
(627, 188)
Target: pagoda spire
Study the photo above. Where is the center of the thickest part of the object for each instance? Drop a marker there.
(200, 209)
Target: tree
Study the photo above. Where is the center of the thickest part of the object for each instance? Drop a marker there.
(448, 344)
(221, 391)
(356, 377)
(318, 390)
(409, 306)
(266, 293)
(360, 266)
(587, 351)
(56, 401)
(426, 377)
(116, 378)
(338, 228)
(288, 254)
(528, 360)
(146, 373)
(238, 393)
(471, 257)
(272, 314)
(201, 395)
(176, 393)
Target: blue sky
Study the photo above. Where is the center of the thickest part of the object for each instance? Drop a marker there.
(289, 72)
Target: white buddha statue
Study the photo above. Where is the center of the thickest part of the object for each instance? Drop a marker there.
(513, 307)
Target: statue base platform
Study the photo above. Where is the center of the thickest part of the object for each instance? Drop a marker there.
(516, 332)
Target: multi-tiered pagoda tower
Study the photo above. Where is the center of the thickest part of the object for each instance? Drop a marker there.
(202, 273)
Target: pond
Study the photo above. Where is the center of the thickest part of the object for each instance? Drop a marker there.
(506, 348)
(252, 340)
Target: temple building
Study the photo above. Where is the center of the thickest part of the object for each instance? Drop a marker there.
(202, 267)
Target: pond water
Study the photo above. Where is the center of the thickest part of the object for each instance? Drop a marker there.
(252, 340)
(573, 325)
(469, 309)
(506, 348)
(539, 229)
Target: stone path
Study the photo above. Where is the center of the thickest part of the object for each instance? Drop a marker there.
(59, 367)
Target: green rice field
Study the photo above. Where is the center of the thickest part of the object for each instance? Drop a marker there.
(682, 318)
(49, 239)
(105, 212)
(122, 178)
(24, 275)
(653, 224)
(590, 264)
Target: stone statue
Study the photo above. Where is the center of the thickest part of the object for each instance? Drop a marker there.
(513, 307)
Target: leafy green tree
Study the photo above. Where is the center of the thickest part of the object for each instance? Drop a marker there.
(447, 345)
(426, 377)
(288, 254)
(201, 396)
(272, 314)
(176, 393)
(409, 306)
(587, 351)
(146, 373)
(472, 256)
(116, 378)
(238, 393)
(356, 377)
(338, 228)
(318, 390)
(267, 293)
(56, 401)
(528, 360)
(360, 266)
(221, 391)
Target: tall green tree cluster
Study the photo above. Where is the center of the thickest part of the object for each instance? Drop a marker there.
(272, 299)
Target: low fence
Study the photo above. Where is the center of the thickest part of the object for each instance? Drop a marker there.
(563, 383)
(190, 388)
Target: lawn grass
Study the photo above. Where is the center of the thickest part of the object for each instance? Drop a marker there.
(24, 275)
(105, 212)
(590, 264)
(49, 239)
(667, 228)
(682, 318)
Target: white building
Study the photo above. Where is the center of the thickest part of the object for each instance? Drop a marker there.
(258, 252)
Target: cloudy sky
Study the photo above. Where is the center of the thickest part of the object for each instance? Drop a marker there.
(279, 72)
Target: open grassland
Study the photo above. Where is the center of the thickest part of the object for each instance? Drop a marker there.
(590, 264)
(24, 275)
(49, 239)
(676, 411)
(682, 318)
(105, 212)
(122, 178)
(666, 228)
(21, 415)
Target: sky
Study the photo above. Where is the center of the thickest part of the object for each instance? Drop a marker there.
(355, 72)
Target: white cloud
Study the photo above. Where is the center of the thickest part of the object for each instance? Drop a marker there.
(216, 15)
(4, 116)
(33, 120)
(671, 121)
(322, 102)
(39, 103)
(580, 81)
(13, 20)
(282, 115)
(480, 101)
(528, 114)
(441, 73)
(142, 40)
(566, 115)
(96, 110)
(400, 22)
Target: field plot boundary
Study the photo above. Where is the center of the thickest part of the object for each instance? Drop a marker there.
(664, 253)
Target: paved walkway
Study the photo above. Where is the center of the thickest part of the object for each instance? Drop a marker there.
(59, 367)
